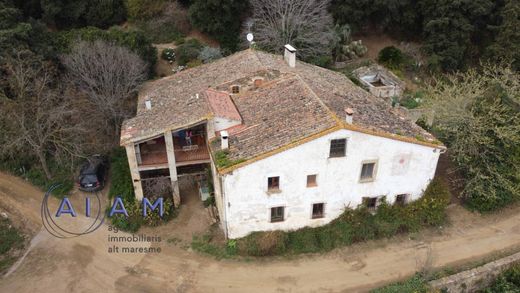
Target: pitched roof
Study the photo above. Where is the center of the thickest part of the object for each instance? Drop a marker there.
(276, 114)
(222, 105)
(291, 104)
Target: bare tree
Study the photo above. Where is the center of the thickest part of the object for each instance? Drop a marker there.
(38, 118)
(109, 75)
(305, 24)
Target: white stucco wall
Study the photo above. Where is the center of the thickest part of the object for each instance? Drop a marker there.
(224, 123)
(402, 168)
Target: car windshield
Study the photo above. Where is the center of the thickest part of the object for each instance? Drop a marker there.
(89, 179)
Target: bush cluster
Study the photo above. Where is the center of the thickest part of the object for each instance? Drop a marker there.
(354, 225)
(417, 284)
(10, 238)
(188, 51)
(391, 57)
(508, 281)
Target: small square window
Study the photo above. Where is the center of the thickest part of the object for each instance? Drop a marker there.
(367, 171)
(400, 199)
(311, 181)
(317, 210)
(277, 214)
(338, 148)
(273, 183)
(370, 202)
(235, 89)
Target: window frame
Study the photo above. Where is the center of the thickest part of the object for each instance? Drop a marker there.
(311, 185)
(365, 200)
(344, 154)
(273, 189)
(276, 220)
(374, 171)
(313, 216)
(405, 199)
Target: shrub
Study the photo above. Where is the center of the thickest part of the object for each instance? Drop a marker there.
(168, 54)
(263, 243)
(121, 178)
(322, 61)
(161, 30)
(188, 51)
(144, 9)
(209, 54)
(508, 281)
(417, 284)
(10, 238)
(391, 57)
(123, 187)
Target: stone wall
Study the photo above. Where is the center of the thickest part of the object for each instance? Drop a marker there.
(477, 278)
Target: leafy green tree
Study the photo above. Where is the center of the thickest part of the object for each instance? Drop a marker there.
(449, 26)
(506, 47)
(221, 19)
(14, 32)
(79, 13)
(144, 9)
(477, 114)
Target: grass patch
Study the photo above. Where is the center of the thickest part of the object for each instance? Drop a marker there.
(222, 160)
(29, 170)
(416, 284)
(10, 239)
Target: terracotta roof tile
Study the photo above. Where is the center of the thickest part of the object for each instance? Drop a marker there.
(222, 105)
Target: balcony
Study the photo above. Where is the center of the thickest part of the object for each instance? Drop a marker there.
(152, 154)
(186, 154)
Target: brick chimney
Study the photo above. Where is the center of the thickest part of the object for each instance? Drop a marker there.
(349, 115)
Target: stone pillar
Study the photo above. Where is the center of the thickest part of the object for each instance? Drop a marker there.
(170, 151)
(134, 171)
(210, 128)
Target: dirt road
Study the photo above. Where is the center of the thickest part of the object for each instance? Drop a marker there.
(84, 264)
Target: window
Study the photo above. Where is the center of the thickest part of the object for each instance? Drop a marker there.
(277, 214)
(338, 148)
(311, 181)
(370, 202)
(235, 89)
(400, 199)
(317, 210)
(368, 171)
(273, 183)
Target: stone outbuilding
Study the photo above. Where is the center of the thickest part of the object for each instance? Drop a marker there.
(380, 81)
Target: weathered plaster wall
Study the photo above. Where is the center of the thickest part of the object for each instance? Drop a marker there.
(402, 168)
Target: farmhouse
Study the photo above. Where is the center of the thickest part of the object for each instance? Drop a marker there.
(288, 144)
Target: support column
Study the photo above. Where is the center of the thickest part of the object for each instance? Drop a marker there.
(134, 171)
(170, 151)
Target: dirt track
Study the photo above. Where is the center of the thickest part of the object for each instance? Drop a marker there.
(84, 265)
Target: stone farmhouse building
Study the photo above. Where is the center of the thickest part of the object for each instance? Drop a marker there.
(289, 144)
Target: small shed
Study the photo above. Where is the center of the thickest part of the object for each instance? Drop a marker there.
(380, 81)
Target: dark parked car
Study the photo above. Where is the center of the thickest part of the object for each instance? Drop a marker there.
(93, 174)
